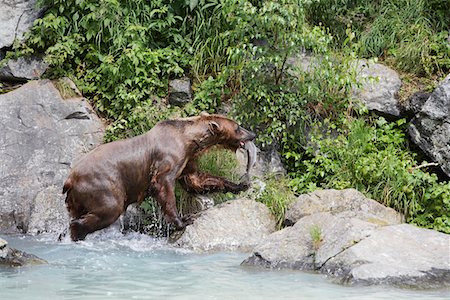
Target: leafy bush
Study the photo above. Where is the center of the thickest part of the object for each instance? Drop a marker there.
(210, 93)
(373, 159)
(338, 15)
(140, 120)
(121, 52)
(282, 111)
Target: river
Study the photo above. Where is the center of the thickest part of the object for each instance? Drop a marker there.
(110, 265)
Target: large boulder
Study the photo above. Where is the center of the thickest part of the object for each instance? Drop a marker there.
(41, 136)
(380, 86)
(16, 17)
(23, 68)
(430, 128)
(311, 241)
(401, 255)
(11, 257)
(337, 201)
(352, 240)
(234, 225)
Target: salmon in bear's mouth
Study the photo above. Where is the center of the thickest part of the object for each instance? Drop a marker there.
(251, 150)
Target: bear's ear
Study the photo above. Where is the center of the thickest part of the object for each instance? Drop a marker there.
(204, 114)
(213, 127)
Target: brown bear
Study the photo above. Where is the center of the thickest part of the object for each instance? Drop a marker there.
(109, 178)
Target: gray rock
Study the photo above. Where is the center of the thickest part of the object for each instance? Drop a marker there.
(380, 86)
(38, 142)
(430, 128)
(204, 202)
(16, 17)
(234, 225)
(23, 68)
(180, 91)
(132, 219)
(11, 257)
(3, 248)
(337, 201)
(401, 255)
(136, 219)
(269, 162)
(311, 241)
(354, 244)
(47, 213)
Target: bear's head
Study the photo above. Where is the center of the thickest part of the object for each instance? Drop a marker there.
(226, 132)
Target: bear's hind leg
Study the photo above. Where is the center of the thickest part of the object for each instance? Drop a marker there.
(91, 222)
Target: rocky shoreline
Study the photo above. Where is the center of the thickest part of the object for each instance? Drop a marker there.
(349, 238)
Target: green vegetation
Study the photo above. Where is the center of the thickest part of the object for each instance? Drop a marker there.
(217, 162)
(247, 55)
(316, 236)
(121, 53)
(372, 157)
(409, 34)
(64, 88)
(275, 193)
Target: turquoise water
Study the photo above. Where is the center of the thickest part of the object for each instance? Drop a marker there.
(135, 266)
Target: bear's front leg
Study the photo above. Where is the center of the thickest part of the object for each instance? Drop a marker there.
(202, 183)
(164, 194)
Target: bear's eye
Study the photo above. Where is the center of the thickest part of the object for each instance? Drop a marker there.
(238, 129)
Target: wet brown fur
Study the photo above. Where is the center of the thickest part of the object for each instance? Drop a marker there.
(114, 175)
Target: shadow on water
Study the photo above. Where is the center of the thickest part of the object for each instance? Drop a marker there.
(109, 265)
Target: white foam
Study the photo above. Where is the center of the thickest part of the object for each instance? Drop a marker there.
(111, 238)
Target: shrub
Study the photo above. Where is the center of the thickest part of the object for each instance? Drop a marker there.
(120, 52)
(282, 109)
(214, 30)
(407, 33)
(140, 120)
